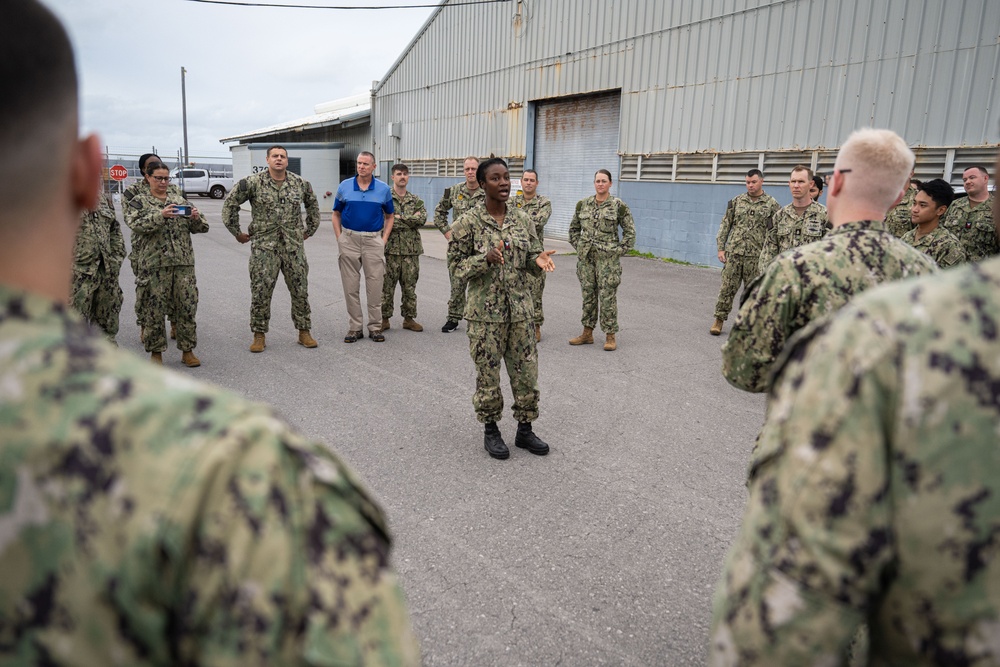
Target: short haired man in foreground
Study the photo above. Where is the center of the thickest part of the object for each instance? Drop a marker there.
(817, 279)
(147, 519)
(875, 495)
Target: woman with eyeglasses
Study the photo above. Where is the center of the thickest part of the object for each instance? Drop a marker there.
(163, 222)
(139, 187)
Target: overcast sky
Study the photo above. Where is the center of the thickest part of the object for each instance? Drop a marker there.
(247, 67)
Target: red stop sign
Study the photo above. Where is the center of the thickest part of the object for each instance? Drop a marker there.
(118, 173)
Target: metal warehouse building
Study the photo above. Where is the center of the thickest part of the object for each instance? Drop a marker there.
(678, 98)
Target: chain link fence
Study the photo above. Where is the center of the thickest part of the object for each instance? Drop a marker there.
(128, 157)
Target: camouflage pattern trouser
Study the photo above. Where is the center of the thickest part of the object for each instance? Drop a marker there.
(99, 299)
(264, 268)
(537, 287)
(456, 301)
(738, 270)
(404, 270)
(141, 297)
(600, 274)
(170, 289)
(514, 343)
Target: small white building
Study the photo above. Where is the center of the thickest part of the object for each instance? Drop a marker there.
(318, 163)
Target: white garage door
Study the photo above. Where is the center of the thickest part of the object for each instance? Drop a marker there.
(573, 139)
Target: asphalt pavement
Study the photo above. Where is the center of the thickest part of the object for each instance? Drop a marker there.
(604, 552)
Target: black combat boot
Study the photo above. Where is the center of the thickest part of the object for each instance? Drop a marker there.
(526, 439)
(494, 443)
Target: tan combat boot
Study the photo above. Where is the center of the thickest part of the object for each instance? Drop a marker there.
(609, 343)
(156, 358)
(716, 327)
(305, 339)
(173, 331)
(586, 338)
(385, 324)
(538, 333)
(411, 324)
(258, 343)
(189, 360)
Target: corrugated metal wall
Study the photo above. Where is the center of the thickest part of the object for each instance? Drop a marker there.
(723, 75)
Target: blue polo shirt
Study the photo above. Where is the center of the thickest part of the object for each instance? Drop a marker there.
(363, 210)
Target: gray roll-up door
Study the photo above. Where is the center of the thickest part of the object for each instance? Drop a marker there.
(573, 139)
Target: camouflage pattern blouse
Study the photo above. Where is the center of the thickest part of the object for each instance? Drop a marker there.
(99, 241)
(875, 489)
(788, 230)
(458, 199)
(897, 220)
(538, 208)
(411, 216)
(974, 226)
(744, 224)
(162, 241)
(807, 283)
(276, 210)
(940, 245)
(595, 226)
(496, 292)
(147, 519)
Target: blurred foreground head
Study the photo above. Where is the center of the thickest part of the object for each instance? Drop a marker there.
(38, 118)
(872, 171)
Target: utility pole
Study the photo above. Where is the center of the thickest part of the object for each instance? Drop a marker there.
(184, 113)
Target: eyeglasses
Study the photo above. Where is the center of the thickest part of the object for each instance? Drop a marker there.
(826, 178)
(161, 179)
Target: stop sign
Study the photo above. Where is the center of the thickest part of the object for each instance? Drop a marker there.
(118, 173)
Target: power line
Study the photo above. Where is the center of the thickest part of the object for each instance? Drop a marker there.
(282, 6)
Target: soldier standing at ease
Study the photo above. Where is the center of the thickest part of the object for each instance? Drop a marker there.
(927, 235)
(971, 219)
(897, 220)
(539, 209)
(97, 261)
(128, 212)
(593, 232)
(802, 221)
(276, 238)
(494, 248)
(740, 239)
(874, 498)
(458, 199)
(403, 250)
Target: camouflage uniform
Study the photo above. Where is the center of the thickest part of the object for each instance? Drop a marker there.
(974, 227)
(402, 255)
(499, 309)
(806, 284)
(166, 269)
(940, 245)
(276, 241)
(897, 220)
(741, 236)
(149, 520)
(128, 213)
(100, 251)
(539, 209)
(593, 232)
(787, 230)
(874, 494)
(458, 199)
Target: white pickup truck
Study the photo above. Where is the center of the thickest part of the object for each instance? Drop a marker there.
(200, 182)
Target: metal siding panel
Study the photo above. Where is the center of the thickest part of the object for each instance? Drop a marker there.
(573, 139)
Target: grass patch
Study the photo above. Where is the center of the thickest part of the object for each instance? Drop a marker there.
(668, 260)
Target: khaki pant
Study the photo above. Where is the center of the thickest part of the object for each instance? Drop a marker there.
(362, 251)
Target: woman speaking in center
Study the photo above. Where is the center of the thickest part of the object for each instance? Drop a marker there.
(495, 247)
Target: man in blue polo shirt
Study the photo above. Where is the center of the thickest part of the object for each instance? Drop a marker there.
(362, 220)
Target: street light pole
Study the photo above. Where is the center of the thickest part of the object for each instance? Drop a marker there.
(184, 113)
